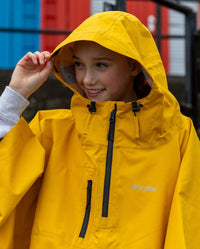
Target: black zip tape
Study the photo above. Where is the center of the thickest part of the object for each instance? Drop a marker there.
(109, 163)
(87, 210)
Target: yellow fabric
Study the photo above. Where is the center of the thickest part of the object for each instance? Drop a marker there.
(154, 190)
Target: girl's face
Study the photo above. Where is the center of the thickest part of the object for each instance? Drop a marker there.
(102, 74)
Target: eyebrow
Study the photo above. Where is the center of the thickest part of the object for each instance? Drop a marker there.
(75, 57)
(94, 58)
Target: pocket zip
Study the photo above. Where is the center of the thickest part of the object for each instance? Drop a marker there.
(87, 210)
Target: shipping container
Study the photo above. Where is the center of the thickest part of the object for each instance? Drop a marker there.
(61, 15)
(18, 14)
(165, 42)
(145, 11)
(5, 37)
(53, 17)
(79, 10)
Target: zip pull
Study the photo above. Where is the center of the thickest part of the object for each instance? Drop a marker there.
(112, 124)
(136, 107)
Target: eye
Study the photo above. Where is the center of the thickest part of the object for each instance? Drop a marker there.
(78, 64)
(101, 65)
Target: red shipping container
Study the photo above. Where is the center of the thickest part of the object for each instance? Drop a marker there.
(79, 10)
(165, 42)
(145, 11)
(61, 15)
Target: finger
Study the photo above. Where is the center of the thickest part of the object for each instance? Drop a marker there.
(46, 55)
(49, 65)
(52, 59)
(27, 58)
(31, 56)
(40, 57)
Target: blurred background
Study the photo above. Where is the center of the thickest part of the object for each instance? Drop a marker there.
(37, 25)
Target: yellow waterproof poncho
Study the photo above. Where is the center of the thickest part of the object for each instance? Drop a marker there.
(107, 175)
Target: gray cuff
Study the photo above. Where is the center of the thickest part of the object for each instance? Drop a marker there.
(12, 104)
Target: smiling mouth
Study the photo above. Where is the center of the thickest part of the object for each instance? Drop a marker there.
(94, 92)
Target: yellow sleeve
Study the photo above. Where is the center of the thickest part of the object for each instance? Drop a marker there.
(183, 230)
(21, 163)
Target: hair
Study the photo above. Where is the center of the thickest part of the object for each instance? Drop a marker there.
(141, 85)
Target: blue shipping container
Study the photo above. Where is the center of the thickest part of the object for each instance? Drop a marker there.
(5, 38)
(18, 14)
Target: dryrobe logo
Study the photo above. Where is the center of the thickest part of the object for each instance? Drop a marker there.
(143, 188)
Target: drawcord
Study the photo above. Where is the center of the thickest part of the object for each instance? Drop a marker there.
(92, 107)
(56, 69)
(136, 107)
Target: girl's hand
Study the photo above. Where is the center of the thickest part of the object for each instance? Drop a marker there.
(31, 72)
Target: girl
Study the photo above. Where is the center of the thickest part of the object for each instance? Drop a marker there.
(119, 169)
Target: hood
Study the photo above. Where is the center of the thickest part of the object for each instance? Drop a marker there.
(118, 31)
(123, 33)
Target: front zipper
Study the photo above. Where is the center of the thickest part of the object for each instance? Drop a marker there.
(109, 163)
(87, 210)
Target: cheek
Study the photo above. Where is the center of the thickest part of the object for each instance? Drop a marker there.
(78, 76)
(110, 79)
(113, 81)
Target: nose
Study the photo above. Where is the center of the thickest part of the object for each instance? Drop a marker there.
(89, 77)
